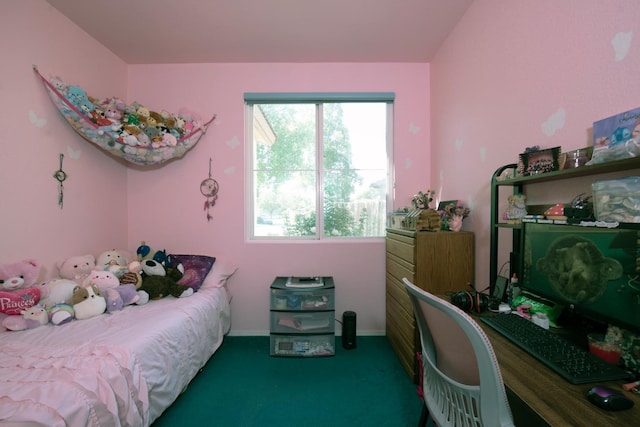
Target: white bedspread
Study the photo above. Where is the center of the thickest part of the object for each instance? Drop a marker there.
(116, 369)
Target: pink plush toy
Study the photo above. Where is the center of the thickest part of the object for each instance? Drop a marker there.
(17, 292)
(116, 295)
(31, 318)
(76, 268)
(19, 275)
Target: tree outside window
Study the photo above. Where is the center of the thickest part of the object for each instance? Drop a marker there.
(319, 170)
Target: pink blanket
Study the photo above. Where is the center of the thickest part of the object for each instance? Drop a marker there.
(86, 386)
(119, 369)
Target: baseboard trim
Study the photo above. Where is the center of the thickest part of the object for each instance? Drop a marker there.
(233, 333)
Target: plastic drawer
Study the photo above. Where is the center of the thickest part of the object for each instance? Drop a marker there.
(302, 322)
(289, 299)
(302, 345)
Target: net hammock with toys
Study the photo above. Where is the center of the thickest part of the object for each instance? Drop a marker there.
(131, 132)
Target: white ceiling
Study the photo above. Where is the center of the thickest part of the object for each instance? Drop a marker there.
(204, 31)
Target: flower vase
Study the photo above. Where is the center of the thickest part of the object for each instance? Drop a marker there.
(455, 223)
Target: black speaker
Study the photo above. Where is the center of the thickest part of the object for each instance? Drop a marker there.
(349, 330)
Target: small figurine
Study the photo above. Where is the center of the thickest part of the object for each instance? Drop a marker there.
(516, 209)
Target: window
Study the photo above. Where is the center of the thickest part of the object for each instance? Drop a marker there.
(319, 165)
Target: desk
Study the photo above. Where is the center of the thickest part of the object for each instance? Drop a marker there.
(531, 386)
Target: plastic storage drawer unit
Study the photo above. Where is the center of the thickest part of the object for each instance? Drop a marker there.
(302, 317)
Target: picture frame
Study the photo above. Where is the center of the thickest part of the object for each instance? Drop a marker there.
(443, 204)
(541, 161)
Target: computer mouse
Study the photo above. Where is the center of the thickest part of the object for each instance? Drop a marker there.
(608, 398)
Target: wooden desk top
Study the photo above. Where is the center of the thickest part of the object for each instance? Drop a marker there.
(555, 400)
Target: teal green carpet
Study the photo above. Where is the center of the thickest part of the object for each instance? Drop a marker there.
(242, 386)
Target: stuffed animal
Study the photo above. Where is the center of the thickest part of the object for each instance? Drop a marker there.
(113, 299)
(17, 292)
(111, 257)
(19, 275)
(127, 272)
(31, 318)
(116, 294)
(159, 282)
(88, 302)
(517, 208)
(59, 314)
(117, 262)
(76, 268)
(131, 278)
(56, 291)
(144, 251)
(103, 279)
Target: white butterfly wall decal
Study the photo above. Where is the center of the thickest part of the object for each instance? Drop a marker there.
(35, 120)
(74, 154)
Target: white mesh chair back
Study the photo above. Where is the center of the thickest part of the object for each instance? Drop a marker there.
(462, 385)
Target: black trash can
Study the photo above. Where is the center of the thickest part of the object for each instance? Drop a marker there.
(349, 330)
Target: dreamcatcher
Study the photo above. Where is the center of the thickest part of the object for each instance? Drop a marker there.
(209, 189)
(60, 176)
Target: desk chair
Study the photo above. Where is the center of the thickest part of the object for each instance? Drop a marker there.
(462, 384)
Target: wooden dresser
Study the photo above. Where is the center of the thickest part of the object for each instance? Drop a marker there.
(437, 261)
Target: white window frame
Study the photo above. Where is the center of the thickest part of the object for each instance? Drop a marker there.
(253, 98)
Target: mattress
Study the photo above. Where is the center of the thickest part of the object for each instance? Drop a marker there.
(120, 368)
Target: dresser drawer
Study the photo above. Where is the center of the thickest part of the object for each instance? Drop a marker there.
(404, 317)
(401, 246)
(396, 289)
(399, 268)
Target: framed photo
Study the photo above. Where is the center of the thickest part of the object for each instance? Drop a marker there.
(535, 162)
(443, 204)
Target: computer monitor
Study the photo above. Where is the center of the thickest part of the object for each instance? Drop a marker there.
(593, 271)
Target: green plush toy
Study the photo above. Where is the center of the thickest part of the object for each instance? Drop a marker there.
(159, 282)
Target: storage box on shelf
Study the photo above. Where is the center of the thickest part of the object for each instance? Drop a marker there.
(302, 319)
(617, 200)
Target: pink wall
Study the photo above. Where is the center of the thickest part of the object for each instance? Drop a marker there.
(94, 216)
(501, 80)
(522, 73)
(166, 207)
(109, 205)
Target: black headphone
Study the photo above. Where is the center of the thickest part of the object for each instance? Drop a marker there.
(470, 301)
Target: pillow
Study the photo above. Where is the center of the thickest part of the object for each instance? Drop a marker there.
(220, 273)
(196, 269)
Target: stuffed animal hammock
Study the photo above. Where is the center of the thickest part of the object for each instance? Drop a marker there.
(131, 132)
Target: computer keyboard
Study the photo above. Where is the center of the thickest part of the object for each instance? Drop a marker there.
(573, 363)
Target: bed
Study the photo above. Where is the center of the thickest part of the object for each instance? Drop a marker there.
(117, 369)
